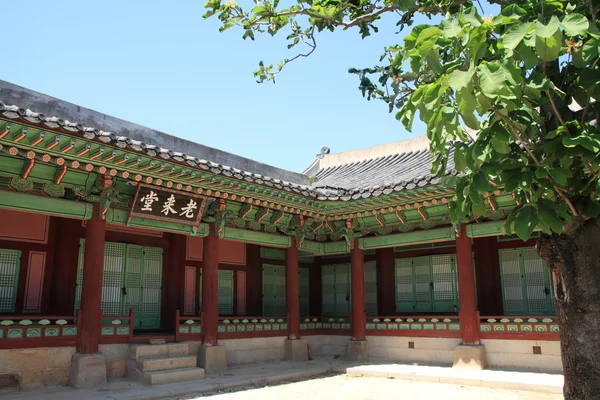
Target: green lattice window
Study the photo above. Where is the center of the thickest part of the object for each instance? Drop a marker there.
(10, 263)
(131, 279)
(337, 291)
(274, 303)
(526, 287)
(304, 291)
(427, 284)
(226, 293)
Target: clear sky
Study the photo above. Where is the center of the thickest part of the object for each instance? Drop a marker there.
(159, 64)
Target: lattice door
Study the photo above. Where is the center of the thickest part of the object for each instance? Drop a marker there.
(342, 290)
(512, 282)
(443, 270)
(112, 278)
(405, 295)
(423, 283)
(304, 291)
(151, 288)
(225, 292)
(371, 288)
(132, 290)
(537, 281)
(10, 262)
(79, 277)
(280, 292)
(269, 294)
(328, 289)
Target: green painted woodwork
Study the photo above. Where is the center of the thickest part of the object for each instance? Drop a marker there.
(424, 236)
(330, 248)
(44, 205)
(253, 237)
(526, 285)
(371, 288)
(493, 228)
(274, 293)
(120, 217)
(225, 292)
(427, 284)
(336, 289)
(10, 263)
(304, 291)
(311, 247)
(131, 279)
(273, 254)
(425, 246)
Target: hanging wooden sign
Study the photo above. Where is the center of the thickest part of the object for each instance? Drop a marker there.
(153, 202)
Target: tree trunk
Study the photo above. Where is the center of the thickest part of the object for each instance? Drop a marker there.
(574, 262)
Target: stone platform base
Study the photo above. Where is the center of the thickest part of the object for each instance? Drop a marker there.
(469, 356)
(357, 350)
(212, 358)
(87, 371)
(296, 350)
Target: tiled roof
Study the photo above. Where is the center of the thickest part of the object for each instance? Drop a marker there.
(376, 176)
(355, 180)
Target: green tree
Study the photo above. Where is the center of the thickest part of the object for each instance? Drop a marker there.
(526, 81)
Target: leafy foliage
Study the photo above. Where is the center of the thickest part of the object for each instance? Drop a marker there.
(511, 99)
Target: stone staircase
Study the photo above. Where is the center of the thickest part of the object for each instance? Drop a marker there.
(164, 363)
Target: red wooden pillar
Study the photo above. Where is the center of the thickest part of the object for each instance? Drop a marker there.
(210, 287)
(292, 291)
(359, 318)
(91, 286)
(469, 323)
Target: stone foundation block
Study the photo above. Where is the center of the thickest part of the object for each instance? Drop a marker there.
(212, 358)
(296, 350)
(469, 356)
(87, 370)
(357, 350)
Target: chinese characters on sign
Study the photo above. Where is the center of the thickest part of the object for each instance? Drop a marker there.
(167, 205)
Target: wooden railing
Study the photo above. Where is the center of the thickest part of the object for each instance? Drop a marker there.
(325, 325)
(117, 329)
(187, 327)
(417, 325)
(37, 331)
(519, 327)
(247, 327)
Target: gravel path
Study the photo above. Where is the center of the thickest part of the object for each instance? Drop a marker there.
(362, 388)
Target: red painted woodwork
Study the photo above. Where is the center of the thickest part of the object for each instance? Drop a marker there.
(386, 291)
(487, 274)
(240, 292)
(65, 266)
(314, 287)
(292, 297)
(230, 252)
(91, 289)
(357, 260)
(189, 306)
(550, 336)
(24, 226)
(469, 317)
(35, 281)
(210, 288)
(133, 231)
(173, 294)
(254, 281)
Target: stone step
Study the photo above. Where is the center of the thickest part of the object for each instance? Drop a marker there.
(172, 376)
(159, 350)
(149, 364)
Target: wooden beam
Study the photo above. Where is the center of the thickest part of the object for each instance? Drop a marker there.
(44, 205)
(424, 236)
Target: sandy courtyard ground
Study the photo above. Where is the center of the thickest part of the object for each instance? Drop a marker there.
(360, 388)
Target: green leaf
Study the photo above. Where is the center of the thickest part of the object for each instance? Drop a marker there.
(526, 54)
(547, 31)
(575, 24)
(466, 106)
(460, 79)
(560, 175)
(525, 221)
(515, 34)
(548, 216)
(549, 48)
(451, 29)
(491, 78)
(460, 156)
(590, 142)
(500, 146)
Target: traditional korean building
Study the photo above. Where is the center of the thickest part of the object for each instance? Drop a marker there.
(114, 235)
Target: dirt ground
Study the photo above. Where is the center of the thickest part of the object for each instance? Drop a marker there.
(362, 388)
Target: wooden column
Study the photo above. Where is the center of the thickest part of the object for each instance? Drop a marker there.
(91, 286)
(210, 287)
(292, 296)
(469, 323)
(359, 319)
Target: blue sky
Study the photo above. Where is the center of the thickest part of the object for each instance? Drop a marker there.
(159, 64)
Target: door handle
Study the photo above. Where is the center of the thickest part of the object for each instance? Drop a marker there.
(546, 291)
(431, 285)
(124, 291)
